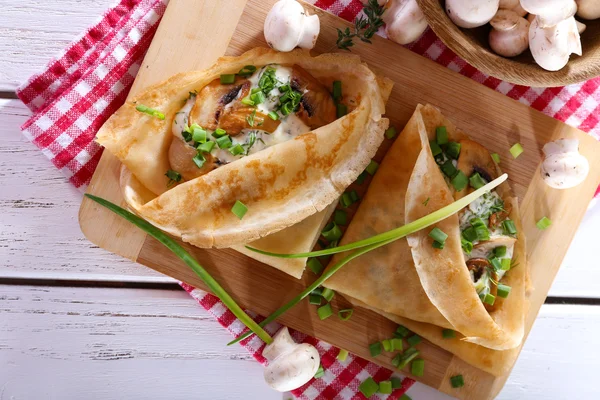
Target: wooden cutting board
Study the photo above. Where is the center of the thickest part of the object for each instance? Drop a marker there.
(194, 33)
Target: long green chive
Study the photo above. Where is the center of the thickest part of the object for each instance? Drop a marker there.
(366, 245)
(457, 381)
(436, 150)
(516, 150)
(320, 372)
(314, 299)
(448, 334)
(543, 223)
(500, 251)
(273, 115)
(227, 79)
(340, 217)
(410, 354)
(206, 147)
(328, 294)
(224, 142)
(331, 232)
(180, 252)
(402, 331)
(247, 70)
(396, 383)
(239, 209)
(505, 262)
(375, 349)
(453, 150)
(219, 133)
(488, 298)
(337, 90)
(341, 110)
(476, 181)
(325, 311)
(369, 387)
(345, 314)
(449, 169)
(460, 181)
(372, 167)
(438, 235)
(509, 228)
(315, 266)
(236, 150)
(387, 345)
(503, 290)
(199, 160)
(414, 340)
(397, 344)
(150, 111)
(441, 135)
(417, 367)
(342, 355)
(385, 387)
(390, 132)
(174, 177)
(496, 157)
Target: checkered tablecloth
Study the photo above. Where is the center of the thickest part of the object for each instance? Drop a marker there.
(76, 92)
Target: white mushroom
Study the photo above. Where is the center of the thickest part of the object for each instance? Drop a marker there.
(291, 365)
(551, 47)
(564, 167)
(471, 13)
(404, 21)
(288, 26)
(581, 27)
(588, 9)
(530, 18)
(550, 12)
(520, 10)
(510, 34)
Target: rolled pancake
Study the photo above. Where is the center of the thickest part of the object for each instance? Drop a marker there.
(281, 185)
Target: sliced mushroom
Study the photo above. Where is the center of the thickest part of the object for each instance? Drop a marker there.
(316, 105)
(482, 269)
(181, 157)
(510, 34)
(475, 158)
(471, 13)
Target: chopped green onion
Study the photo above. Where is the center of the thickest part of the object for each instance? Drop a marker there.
(396, 383)
(475, 222)
(390, 132)
(417, 367)
(219, 133)
(150, 111)
(342, 355)
(375, 349)
(436, 150)
(509, 228)
(453, 150)
(543, 223)
(369, 387)
(457, 381)
(173, 176)
(258, 98)
(224, 142)
(516, 150)
(237, 150)
(500, 251)
(325, 311)
(239, 209)
(361, 178)
(366, 245)
(328, 294)
(385, 387)
(397, 344)
(345, 314)
(320, 372)
(488, 298)
(405, 397)
(247, 70)
(387, 345)
(441, 135)
(199, 160)
(247, 101)
(354, 196)
(438, 245)
(332, 232)
(337, 90)
(410, 354)
(318, 291)
(438, 235)
(402, 331)
(460, 181)
(340, 217)
(469, 234)
(466, 245)
(372, 167)
(496, 158)
(273, 115)
(346, 200)
(503, 290)
(505, 262)
(476, 181)
(315, 266)
(187, 134)
(448, 334)
(227, 79)
(496, 263)
(206, 147)
(198, 134)
(180, 252)
(414, 340)
(449, 169)
(314, 299)
(341, 110)
(483, 233)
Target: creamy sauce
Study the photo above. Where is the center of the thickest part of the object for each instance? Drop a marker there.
(481, 208)
(283, 74)
(182, 117)
(485, 252)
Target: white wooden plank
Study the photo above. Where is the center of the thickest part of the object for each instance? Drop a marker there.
(32, 32)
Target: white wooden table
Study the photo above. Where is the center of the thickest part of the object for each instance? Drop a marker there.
(77, 321)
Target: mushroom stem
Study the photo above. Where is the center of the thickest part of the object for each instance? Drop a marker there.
(510, 34)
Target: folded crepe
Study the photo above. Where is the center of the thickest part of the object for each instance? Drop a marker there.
(387, 280)
(261, 129)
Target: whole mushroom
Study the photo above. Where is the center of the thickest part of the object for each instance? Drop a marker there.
(288, 26)
(519, 10)
(550, 12)
(404, 20)
(471, 13)
(552, 46)
(588, 9)
(563, 167)
(510, 34)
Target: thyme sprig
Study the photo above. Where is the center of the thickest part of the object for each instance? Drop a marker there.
(364, 28)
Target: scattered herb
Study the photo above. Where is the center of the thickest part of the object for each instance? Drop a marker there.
(364, 28)
(174, 177)
(150, 111)
(250, 118)
(426, 201)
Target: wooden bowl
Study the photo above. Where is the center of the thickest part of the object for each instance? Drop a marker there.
(472, 45)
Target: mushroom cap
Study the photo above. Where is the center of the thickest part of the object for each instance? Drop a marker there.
(404, 20)
(588, 9)
(551, 47)
(471, 13)
(510, 36)
(550, 12)
(564, 170)
(287, 25)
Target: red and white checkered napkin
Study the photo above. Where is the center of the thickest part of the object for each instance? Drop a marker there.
(80, 89)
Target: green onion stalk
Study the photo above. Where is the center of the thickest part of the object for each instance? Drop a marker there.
(372, 243)
(180, 252)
